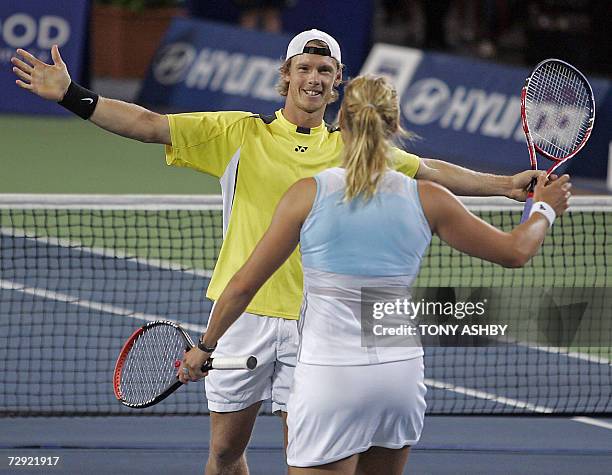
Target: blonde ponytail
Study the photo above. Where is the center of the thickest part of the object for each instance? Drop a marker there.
(370, 115)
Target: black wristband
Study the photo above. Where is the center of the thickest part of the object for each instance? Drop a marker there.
(203, 347)
(79, 100)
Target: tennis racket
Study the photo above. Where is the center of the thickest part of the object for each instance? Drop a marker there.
(146, 370)
(558, 113)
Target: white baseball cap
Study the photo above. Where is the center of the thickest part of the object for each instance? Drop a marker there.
(298, 45)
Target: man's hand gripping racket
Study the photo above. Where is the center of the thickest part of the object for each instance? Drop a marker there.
(147, 367)
(558, 113)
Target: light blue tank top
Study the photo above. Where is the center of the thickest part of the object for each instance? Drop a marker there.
(385, 236)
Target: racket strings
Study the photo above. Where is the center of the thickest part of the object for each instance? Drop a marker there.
(558, 107)
(149, 368)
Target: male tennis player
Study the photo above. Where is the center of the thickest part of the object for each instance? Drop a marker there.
(256, 158)
(355, 409)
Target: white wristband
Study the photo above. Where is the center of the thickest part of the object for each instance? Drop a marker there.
(545, 209)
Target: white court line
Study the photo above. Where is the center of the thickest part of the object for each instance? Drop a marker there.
(92, 305)
(98, 251)
(488, 396)
(560, 350)
(572, 354)
(511, 402)
(593, 422)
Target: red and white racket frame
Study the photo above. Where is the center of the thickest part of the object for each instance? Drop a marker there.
(533, 148)
(227, 363)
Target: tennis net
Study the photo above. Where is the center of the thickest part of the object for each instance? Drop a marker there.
(79, 273)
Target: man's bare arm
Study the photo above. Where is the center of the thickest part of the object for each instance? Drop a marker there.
(51, 82)
(131, 121)
(462, 181)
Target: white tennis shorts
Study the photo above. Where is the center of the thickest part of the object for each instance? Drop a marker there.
(274, 342)
(338, 411)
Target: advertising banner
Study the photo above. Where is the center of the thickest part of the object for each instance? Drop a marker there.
(468, 112)
(204, 66)
(36, 25)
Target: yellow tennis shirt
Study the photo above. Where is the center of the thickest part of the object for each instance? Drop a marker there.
(257, 158)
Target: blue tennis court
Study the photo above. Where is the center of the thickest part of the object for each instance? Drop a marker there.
(175, 444)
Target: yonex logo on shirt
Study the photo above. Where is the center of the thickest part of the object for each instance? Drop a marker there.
(301, 148)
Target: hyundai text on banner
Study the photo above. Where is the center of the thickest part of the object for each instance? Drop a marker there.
(36, 25)
(468, 112)
(204, 66)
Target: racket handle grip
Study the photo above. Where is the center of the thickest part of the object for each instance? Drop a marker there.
(527, 209)
(529, 200)
(531, 187)
(237, 362)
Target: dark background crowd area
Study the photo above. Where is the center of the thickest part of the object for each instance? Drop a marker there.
(518, 32)
(511, 31)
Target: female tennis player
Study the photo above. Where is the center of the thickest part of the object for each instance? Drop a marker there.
(353, 408)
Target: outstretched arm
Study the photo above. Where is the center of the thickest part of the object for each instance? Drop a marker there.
(51, 82)
(458, 227)
(463, 181)
(274, 248)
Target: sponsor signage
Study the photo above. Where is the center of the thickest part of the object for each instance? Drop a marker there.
(468, 111)
(207, 66)
(36, 26)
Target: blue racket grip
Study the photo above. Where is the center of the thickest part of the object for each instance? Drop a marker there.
(527, 209)
(529, 200)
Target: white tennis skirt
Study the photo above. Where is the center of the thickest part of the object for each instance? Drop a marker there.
(338, 411)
